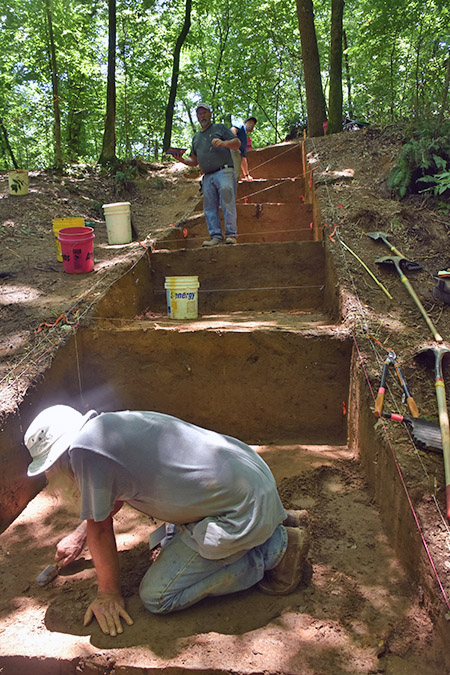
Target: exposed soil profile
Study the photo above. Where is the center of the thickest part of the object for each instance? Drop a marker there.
(360, 612)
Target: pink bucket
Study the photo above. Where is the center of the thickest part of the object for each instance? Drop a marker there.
(77, 248)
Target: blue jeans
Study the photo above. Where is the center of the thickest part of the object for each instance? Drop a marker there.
(180, 577)
(219, 189)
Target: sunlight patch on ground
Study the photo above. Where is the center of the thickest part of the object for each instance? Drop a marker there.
(10, 294)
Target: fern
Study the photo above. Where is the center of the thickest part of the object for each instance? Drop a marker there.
(423, 158)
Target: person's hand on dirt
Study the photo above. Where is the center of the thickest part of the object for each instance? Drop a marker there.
(70, 548)
(108, 609)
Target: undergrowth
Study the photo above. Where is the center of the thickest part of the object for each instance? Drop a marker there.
(424, 159)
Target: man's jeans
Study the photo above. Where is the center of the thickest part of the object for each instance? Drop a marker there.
(180, 577)
(219, 188)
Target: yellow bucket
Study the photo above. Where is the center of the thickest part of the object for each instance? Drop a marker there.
(59, 224)
(182, 297)
(18, 181)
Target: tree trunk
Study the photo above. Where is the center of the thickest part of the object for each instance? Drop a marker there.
(7, 145)
(315, 100)
(445, 92)
(189, 114)
(54, 74)
(108, 152)
(335, 97)
(349, 82)
(175, 72)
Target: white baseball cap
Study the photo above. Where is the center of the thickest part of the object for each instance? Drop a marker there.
(203, 105)
(50, 434)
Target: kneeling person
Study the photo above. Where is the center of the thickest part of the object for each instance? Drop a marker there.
(220, 495)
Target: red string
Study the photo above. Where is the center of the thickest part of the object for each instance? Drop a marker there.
(146, 249)
(403, 482)
(50, 325)
(330, 236)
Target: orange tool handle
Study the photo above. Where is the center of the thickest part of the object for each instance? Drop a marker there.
(413, 409)
(379, 401)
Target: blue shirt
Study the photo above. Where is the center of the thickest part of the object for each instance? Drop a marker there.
(242, 135)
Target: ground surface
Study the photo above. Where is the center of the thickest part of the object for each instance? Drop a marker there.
(366, 615)
(358, 614)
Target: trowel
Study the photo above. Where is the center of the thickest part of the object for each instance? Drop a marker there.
(48, 574)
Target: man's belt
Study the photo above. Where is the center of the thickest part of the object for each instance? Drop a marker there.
(225, 166)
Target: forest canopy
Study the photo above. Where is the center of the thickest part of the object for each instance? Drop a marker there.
(242, 58)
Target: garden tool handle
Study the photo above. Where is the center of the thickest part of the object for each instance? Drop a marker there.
(379, 401)
(394, 250)
(416, 299)
(445, 433)
(413, 409)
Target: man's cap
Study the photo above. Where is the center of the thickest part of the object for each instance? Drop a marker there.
(50, 434)
(203, 105)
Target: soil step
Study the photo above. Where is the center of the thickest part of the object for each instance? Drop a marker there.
(283, 190)
(256, 222)
(254, 377)
(251, 277)
(284, 160)
(356, 612)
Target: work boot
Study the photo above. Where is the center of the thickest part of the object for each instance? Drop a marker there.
(286, 576)
(300, 518)
(212, 242)
(231, 240)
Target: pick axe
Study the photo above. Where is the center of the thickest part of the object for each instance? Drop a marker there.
(398, 261)
(439, 352)
(383, 236)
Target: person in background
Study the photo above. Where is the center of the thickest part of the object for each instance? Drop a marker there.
(242, 131)
(227, 531)
(211, 150)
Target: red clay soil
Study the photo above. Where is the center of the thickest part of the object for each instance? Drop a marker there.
(359, 613)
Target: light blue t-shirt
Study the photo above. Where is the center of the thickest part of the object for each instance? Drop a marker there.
(180, 473)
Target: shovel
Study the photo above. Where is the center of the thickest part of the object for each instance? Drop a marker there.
(425, 434)
(397, 261)
(383, 236)
(439, 352)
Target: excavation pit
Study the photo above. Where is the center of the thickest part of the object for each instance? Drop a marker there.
(270, 360)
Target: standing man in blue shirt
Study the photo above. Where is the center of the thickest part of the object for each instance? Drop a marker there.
(241, 131)
(211, 150)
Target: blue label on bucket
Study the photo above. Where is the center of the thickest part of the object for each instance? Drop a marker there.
(186, 295)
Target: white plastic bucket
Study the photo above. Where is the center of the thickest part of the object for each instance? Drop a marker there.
(118, 222)
(182, 297)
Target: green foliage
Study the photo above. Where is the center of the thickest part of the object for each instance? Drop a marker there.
(123, 179)
(423, 158)
(244, 58)
(441, 182)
